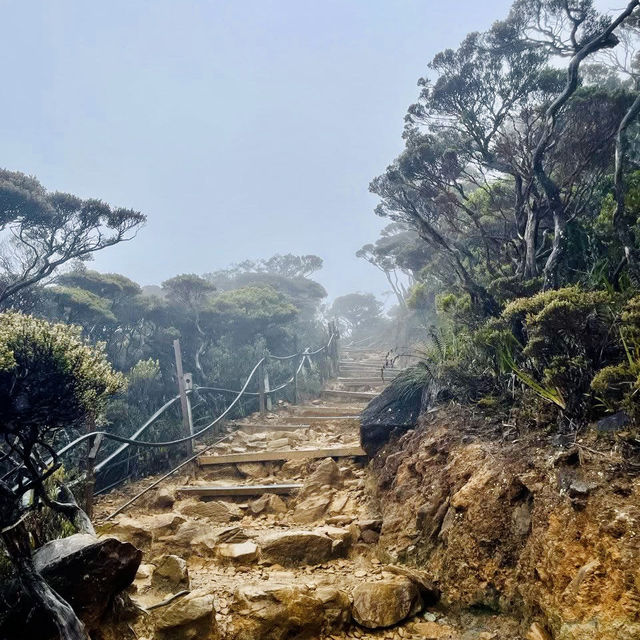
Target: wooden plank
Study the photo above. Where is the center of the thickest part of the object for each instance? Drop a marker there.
(292, 454)
(318, 419)
(239, 490)
(303, 412)
(358, 395)
(260, 428)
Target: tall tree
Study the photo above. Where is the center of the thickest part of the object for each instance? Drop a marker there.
(42, 230)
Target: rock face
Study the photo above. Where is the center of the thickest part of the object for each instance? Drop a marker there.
(392, 410)
(189, 618)
(276, 612)
(87, 572)
(385, 603)
(291, 548)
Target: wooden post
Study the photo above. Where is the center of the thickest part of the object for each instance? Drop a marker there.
(184, 398)
(261, 388)
(296, 364)
(267, 396)
(91, 477)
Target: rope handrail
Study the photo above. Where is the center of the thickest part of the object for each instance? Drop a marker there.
(132, 440)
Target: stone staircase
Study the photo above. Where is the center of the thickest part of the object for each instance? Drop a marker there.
(274, 534)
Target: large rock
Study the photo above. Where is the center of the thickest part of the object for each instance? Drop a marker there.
(268, 503)
(290, 548)
(312, 508)
(327, 475)
(214, 510)
(278, 612)
(144, 530)
(238, 552)
(86, 571)
(385, 603)
(170, 574)
(394, 409)
(190, 618)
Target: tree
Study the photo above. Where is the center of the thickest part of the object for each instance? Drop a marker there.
(192, 292)
(571, 29)
(44, 230)
(356, 310)
(50, 381)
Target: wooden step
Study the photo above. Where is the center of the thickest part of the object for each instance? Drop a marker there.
(324, 411)
(362, 380)
(317, 419)
(239, 489)
(355, 385)
(260, 428)
(356, 395)
(292, 454)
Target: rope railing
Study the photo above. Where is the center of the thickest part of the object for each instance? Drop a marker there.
(304, 356)
(133, 439)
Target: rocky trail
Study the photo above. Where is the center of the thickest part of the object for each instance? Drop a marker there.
(275, 535)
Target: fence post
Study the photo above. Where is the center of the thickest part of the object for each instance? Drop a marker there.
(296, 364)
(261, 389)
(91, 476)
(184, 398)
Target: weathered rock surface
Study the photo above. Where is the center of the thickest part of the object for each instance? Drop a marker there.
(392, 410)
(214, 510)
(326, 475)
(268, 503)
(240, 552)
(278, 612)
(163, 499)
(312, 508)
(385, 603)
(290, 548)
(86, 571)
(170, 574)
(188, 618)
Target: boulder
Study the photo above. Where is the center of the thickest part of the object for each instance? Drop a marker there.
(129, 530)
(327, 474)
(86, 571)
(238, 552)
(268, 503)
(312, 508)
(291, 548)
(277, 612)
(435, 631)
(214, 510)
(385, 603)
(189, 618)
(163, 499)
(255, 470)
(393, 410)
(170, 574)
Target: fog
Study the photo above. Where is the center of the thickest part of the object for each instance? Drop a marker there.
(242, 129)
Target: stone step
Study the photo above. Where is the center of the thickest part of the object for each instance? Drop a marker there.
(239, 489)
(292, 454)
(356, 395)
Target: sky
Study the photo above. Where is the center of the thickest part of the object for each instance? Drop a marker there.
(241, 128)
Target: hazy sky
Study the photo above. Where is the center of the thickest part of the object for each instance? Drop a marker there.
(242, 128)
